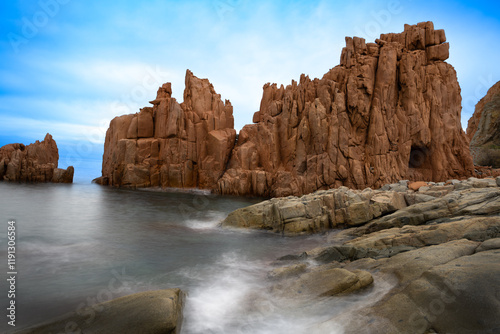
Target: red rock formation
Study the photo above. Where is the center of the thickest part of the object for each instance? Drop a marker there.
(170, 144)
(389, 111)
(33, 163)
(484, 129)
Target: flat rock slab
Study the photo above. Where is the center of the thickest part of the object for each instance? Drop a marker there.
(150, 312)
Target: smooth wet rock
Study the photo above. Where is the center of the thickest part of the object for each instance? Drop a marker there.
(150, 312)
(324, 283)
(459, 296)
(410, 265)
(287, 272)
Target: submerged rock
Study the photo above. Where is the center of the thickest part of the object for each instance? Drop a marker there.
(147, 312)
(36, 162)
(458, 296)
(446, 264)
(323, 283)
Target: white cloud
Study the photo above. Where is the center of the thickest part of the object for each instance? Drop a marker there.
(35, 128)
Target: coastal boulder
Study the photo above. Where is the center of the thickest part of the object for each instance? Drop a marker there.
(150, 312)
(324, 283)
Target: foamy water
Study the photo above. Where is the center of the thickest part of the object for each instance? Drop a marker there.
(234, 296)
(74, 240)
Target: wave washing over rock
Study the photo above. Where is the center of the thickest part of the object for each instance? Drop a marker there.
(389, 111)
(36, 162)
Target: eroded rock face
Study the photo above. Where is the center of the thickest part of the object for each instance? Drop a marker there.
(170, 144)
(389, 111)
(36, 162)
(484, 129)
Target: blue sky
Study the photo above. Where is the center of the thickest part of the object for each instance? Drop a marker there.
(69, 66)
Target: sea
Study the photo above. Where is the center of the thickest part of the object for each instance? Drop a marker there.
(80, 244)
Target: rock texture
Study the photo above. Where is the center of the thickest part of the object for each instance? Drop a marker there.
(484, 129)
(36, 162)
(170, 144)
(439, 260)
(392, 205)
(150, 312)
(389, 111)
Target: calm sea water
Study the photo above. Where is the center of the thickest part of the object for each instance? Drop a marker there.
(80, 244)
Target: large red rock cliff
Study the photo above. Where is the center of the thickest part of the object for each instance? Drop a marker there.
(389, 111)
(36, 162)
(183, 145)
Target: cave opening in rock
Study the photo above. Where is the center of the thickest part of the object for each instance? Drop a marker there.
(419, 156)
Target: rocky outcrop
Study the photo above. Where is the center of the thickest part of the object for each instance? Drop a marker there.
(317, 212)
(484, 129)
(183, 145)
(36, 162)
(393, 205)
(448, 288)
(439, 260)
(145, 312)
(389, 111)
(323, 283)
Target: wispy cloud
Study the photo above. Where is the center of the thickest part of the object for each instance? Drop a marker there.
(36, 129)
(94, 60)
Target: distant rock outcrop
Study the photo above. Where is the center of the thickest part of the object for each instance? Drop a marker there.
(484, 129)
(389, 111)
(36, 162)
